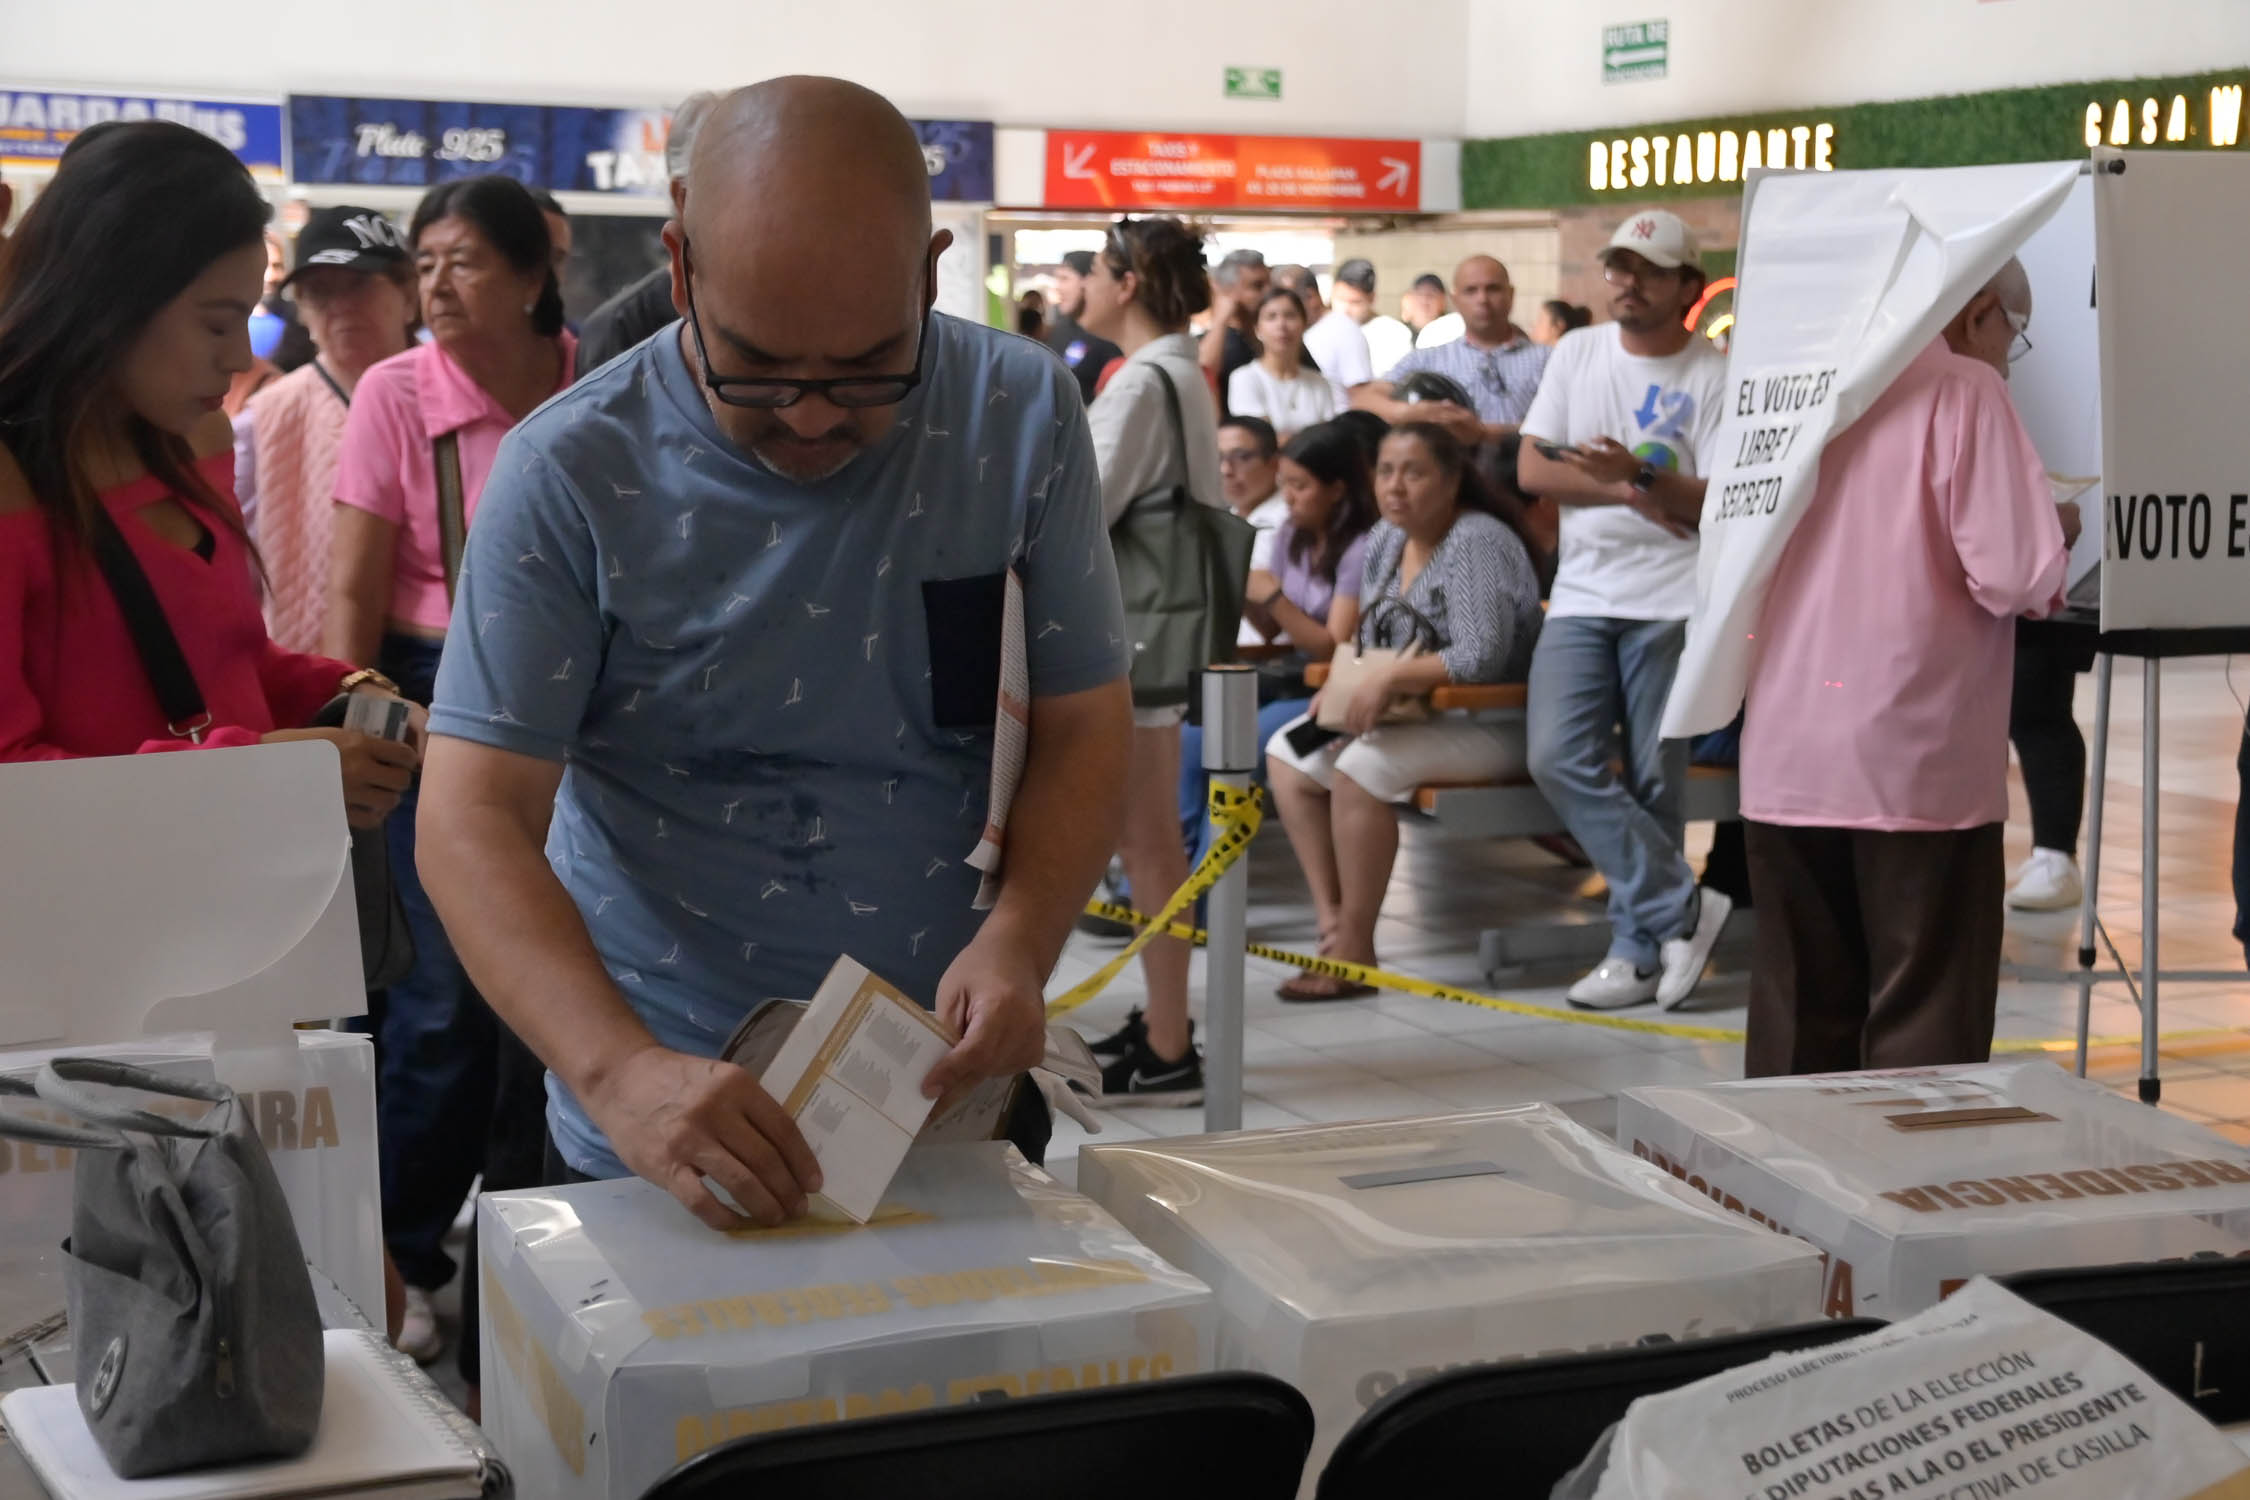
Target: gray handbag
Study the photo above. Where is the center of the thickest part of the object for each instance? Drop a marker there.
(196, 1337)
(1182, 567)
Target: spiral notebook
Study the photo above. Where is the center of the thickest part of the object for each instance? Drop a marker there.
(385, 1431)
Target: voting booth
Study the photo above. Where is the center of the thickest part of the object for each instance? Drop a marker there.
(622, 1336)
(1351, 1259)
(182, 912)
(2128, 388)
(1915, 1180)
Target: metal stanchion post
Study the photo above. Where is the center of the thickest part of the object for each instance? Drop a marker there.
(1230, 756)
(2152, 1089)
(2089, 914)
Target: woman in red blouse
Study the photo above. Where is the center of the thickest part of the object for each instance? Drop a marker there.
(125, 298)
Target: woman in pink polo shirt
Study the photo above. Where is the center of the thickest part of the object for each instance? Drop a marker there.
(423, 431)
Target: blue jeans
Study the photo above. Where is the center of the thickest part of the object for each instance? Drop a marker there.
(435, 1046)
(1195, 787)
(1588, 678)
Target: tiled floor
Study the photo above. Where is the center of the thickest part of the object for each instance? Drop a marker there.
(1399, 1054)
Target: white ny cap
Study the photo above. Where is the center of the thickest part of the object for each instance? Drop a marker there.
(1658, 237)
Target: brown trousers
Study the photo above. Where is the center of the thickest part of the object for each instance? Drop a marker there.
(1874, 950)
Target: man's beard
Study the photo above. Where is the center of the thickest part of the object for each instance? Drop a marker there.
(782, 451)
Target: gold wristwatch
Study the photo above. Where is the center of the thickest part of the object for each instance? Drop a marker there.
(353, 680)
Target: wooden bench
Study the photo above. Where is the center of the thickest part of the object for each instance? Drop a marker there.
(1517, 809)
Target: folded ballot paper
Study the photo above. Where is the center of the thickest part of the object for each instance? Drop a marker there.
(1351, 1259)
(1983, 1397)
(1912, 1181)
(849, 1065)
(622, 1336)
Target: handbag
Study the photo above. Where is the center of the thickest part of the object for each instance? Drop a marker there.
(1182, 568)
(1353, 666)
(386, 944)
(191, 1312)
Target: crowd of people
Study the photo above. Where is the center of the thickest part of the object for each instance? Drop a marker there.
(788, 627)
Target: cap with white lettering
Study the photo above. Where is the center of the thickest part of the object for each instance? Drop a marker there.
(357, 239)
(1658, 237)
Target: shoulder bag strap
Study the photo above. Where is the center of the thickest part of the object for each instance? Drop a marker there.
(177, 694)
(1179, 427)
(330, 381)
(453, 528)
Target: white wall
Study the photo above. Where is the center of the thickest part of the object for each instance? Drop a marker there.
(1155, 63)
(1535, 65)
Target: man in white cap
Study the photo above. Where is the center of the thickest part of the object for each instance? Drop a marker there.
(1620, 435)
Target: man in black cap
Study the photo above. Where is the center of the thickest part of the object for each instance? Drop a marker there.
(1086, 355)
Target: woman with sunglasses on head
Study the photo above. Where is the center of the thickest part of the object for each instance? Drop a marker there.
(1145, 284)
(419, 444)
(1448, 571)
(117, 348)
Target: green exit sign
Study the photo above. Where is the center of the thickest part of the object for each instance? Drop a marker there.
(1638, 51)
(1253, 83)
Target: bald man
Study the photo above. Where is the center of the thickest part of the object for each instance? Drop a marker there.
(1494, 361)
(732, 614)
(1872, 816)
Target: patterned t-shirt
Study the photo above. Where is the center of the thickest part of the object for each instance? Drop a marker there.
(774, 700)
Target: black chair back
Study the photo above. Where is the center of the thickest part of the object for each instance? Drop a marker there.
(2186, 1322)
(1509, 1432)
(1195, 1437)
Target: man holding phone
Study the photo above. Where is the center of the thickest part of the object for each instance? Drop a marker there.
(1619, 436)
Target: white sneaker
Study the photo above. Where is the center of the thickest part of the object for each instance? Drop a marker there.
(419, 1337)
(2048, 881)
(1613, 986)
(1686, 955)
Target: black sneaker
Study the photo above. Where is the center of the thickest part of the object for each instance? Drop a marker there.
(1114, 891)
(1124, 1039)
(1142, 1080)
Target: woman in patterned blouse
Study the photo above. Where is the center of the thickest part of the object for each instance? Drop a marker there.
(1448, 566)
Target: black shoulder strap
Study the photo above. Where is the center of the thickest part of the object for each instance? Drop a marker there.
(153, 641)
(1179, 425)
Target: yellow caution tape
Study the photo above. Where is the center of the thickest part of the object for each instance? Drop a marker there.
(1237, 815)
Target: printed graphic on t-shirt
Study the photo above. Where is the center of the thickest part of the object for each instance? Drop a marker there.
(1664, 416)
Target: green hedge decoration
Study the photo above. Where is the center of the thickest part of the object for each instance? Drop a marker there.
(1957, 130)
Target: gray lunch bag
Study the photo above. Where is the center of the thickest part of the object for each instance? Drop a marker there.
(195, 1333)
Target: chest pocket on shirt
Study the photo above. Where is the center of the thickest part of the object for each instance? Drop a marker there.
(965, 618)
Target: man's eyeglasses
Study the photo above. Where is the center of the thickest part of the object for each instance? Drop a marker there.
(1489, 376)
(1231, 458)
(2020, 345)
(772, 393)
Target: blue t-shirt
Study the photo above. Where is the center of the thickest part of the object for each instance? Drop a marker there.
(774, 700)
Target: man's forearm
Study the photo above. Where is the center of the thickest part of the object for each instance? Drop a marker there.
(522, 940)
(1065, 819)
(1212, 352)
(1566, 484)
(1680, 496)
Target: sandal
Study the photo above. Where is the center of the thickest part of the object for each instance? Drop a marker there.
(1313, 989)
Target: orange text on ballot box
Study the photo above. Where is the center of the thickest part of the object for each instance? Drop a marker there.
(1123, 169)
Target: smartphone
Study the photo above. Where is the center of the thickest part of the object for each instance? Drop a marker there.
(1556, 451)
(1310, 736)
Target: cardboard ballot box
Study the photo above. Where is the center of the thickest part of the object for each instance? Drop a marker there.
(312, 1095)
(1915, 1180)
(1349, 1259)
(622, 1336)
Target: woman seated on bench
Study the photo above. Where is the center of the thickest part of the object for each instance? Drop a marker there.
(1448, 566)
(1303, 593)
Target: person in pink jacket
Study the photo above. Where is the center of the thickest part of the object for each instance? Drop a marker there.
(1875, 751)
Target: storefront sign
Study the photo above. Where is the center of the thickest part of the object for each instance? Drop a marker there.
(1703, 157)
(1113, 169)
(1631, 53)
(36, 125)
(564, 148)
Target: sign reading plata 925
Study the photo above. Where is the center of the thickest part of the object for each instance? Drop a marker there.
(1636, 51)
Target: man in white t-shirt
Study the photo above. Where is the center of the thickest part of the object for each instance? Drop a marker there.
(1352, 293)
(1635, 406)
(1334, 340)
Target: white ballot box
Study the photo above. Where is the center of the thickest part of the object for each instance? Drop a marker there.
(1349, 1259)
(313, 1099)
(622, 1336)
(1915, 1180)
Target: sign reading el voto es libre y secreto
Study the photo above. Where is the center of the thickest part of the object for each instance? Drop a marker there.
(37, 125)
(565, 148)
(1122, 169)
